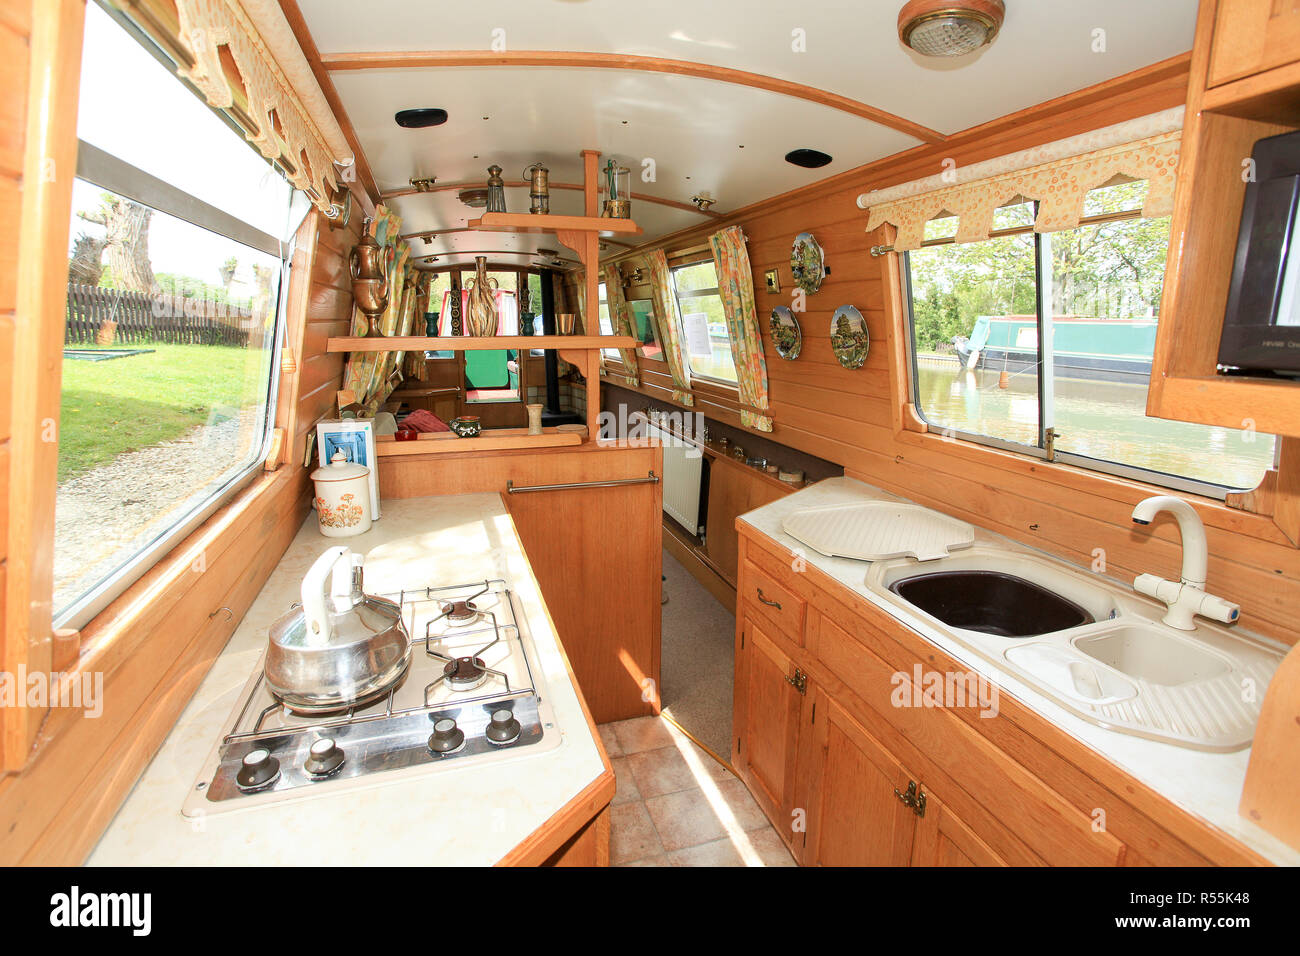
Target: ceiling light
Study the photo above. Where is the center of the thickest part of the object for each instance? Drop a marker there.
(476, 197)
(807, 158)
(420, 118)
(949, 27)
(423, 185)
(703, 201)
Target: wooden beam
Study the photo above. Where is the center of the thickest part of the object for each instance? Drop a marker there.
(423, 59)
(469, 343)
(520, 184)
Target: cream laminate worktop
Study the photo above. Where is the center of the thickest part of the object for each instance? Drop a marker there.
(1205, 784)
(461, 815)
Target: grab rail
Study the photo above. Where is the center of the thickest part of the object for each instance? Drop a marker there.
(651, 479)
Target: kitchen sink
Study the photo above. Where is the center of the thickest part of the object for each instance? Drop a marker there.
(992, 602)
(1153, 655)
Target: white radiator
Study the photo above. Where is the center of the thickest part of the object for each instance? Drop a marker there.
(683, 475)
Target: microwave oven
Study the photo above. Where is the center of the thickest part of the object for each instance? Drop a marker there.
(1261, 327)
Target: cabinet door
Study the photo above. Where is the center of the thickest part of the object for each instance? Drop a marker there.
(1251, 36)
(767, 709)
(855, 814)
(943, 839)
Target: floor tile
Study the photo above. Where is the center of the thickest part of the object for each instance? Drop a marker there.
(644, 733)
(632, 834)
(691, 817)
(610, 740)
(666, 769)
(755, 848)
(625, 783)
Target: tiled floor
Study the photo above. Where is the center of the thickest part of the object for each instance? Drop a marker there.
(677, 806)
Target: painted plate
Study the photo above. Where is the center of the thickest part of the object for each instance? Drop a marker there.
(786, 335)
(807, 263)
(849, 338)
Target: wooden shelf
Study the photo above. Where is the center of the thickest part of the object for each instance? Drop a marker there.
(467, 343)
(490, 439)
(526, 222)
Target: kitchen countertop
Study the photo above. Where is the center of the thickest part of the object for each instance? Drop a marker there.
(1202, 783)
(461, 815)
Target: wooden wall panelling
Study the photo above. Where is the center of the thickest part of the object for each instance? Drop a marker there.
(49, 142)
(856, 418)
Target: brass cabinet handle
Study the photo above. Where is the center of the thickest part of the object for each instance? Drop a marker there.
(775, 604)
(799, 682)
(912, 799)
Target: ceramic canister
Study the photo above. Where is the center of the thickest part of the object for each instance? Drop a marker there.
(343, 497)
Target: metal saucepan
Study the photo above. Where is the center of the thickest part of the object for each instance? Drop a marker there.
(337, 651)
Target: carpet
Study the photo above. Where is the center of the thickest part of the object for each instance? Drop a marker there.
(697, 659)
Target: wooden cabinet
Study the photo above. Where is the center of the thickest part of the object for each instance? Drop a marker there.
(856, 812)
(734, 489)
(769, 696)
(837, 746)
(1251, 36)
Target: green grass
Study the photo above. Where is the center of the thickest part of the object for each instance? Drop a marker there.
(125, 404)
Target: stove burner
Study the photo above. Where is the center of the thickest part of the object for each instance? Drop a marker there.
(460, 613)
(465, 673)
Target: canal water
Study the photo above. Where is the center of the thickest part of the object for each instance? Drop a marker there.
(1104, 420)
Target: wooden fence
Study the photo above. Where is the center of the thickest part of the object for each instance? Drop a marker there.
(134, 318)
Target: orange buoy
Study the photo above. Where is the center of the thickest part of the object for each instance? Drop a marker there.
(1004, 380)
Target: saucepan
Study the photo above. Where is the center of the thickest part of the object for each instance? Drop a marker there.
(338, 650)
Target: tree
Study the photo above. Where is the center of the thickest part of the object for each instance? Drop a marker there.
(86, 265)
(126, 242)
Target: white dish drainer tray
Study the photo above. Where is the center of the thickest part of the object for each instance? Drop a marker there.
(877, 530)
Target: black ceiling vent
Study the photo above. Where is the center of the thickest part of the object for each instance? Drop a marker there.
(419, 119)
(807, 158)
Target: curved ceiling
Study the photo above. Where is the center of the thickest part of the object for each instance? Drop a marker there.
(692, 126)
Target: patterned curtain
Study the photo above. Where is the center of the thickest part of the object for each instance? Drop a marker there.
(736, 289)
(371, 376)
(580, 310)
(620, 320)
(670, 330)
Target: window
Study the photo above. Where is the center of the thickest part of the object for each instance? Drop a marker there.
(170, 362)
(704, 328)
(606, 323)
(1022, 333)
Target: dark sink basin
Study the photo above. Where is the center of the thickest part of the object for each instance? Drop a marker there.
(991, 602)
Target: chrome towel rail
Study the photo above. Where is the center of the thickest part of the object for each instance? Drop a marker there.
(650, 479)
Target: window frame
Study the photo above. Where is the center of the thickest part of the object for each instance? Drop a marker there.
(107, 171)
(1148, 476)
(732, 384)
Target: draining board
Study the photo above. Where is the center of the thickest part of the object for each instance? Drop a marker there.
(876, 530)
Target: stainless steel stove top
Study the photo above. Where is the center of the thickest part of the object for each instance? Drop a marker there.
(473, 693)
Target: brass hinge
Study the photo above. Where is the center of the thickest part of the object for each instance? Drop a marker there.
(912, 798)
(799, 681)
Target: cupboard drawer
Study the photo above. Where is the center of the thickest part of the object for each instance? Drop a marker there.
(772, 601)
(1251, 36)
(1033, 814)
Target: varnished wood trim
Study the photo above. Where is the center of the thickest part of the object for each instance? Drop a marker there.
(408, 236)
(303, 35)
(625, 61)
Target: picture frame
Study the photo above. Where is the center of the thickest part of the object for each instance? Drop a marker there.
(356, 437)
(772, 281)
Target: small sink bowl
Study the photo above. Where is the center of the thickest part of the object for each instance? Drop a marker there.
(991, 602)
(1153, 655)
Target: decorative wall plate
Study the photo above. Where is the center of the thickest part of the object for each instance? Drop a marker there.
(849, 337)
(807, 262)
(786, 335)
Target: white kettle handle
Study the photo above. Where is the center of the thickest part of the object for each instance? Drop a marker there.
(315, 610)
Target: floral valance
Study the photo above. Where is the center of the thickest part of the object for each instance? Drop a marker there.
(274, 99)
(1060, 185)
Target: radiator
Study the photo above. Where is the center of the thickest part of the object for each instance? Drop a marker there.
(683, 475)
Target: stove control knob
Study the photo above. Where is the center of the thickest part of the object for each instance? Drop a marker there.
(503, 728)
(259, 771)
(446, 738)
(324, 759)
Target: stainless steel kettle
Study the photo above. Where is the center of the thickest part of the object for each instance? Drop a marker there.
(340, 650)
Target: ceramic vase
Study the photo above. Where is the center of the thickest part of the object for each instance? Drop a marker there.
(534, 419)
(481, 319)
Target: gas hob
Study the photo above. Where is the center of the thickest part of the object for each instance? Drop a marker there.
(473, 694)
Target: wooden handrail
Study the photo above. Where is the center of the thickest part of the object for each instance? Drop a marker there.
(469, 343)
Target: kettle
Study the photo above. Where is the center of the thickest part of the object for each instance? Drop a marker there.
(334, 652)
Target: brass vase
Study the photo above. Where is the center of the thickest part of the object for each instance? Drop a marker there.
(481, 317)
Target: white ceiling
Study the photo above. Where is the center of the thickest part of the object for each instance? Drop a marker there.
(694, 127)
